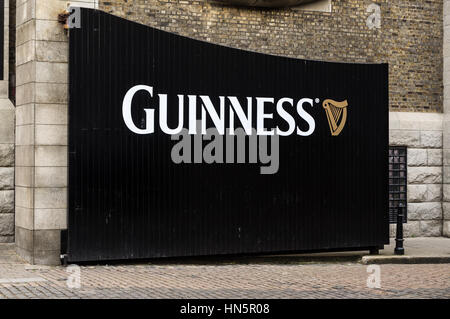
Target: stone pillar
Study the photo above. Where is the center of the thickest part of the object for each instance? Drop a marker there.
(41, 129)
(446, 146)
(7, 118)
(421, 133)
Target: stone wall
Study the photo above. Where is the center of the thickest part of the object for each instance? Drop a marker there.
(422, 134)
(410, 37)
(6, 147)
(446, 146)
(6, 174)
(41, 129)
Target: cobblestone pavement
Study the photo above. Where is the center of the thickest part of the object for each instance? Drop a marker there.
(332, 280)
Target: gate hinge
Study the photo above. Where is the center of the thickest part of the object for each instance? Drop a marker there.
(62, 18)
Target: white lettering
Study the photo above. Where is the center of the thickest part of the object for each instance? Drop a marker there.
(126, 111)
(261, 116)
(286, 116)
(217, 115)
(308, 118)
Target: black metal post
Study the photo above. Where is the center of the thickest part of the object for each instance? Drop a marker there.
(399, 250)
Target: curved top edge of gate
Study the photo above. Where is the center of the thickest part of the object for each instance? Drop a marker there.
(96, 11)
(265, 3)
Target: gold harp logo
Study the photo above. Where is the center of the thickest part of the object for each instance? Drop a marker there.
(336, 114)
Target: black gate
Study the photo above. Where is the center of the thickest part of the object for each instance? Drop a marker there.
(325, 186)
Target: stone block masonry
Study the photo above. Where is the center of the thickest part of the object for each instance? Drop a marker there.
(7, 118)
(422, 134)
(446, 134)
(41, 128)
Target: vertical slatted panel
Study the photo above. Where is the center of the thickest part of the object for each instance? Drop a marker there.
(127, 199)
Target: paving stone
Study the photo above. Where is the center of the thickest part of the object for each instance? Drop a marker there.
(218, 279)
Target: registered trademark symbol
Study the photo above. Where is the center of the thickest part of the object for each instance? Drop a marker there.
(317, 100)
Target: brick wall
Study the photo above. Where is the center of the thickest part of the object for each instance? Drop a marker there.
(410, 37)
